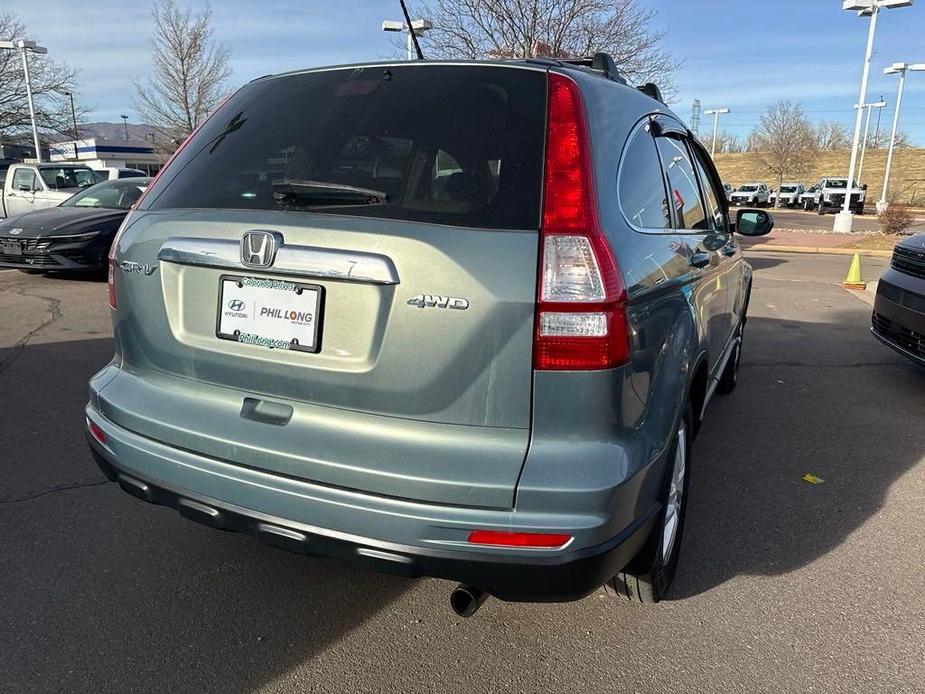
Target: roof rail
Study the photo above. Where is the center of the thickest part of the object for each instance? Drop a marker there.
(599, 62)
(651, 89)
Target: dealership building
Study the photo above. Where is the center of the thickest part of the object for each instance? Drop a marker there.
(98, 153)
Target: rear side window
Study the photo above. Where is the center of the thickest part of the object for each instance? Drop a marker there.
(458, 145)
(641, 185)
(684, 193)
(715, 214)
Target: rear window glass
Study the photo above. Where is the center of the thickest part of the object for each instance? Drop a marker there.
(458, 145)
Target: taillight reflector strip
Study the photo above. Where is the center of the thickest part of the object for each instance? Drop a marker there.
(96, 431)
(501, 538)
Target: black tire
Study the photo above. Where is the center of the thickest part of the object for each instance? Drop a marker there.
(820, 209)
(807, 205)
(648, 577)
(730, 378)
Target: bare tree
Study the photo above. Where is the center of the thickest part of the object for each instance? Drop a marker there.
(49, 82)
(784, 141)
(729, 143)
(190, 70)
(552, 28)
(882, 141)
(830, 135)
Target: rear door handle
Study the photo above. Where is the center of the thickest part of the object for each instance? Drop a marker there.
(700, 259)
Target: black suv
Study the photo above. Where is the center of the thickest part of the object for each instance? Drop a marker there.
(899, 310)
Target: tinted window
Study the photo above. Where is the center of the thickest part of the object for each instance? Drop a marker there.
(682, 181)
(711, 195)
(24, 177)
(641, 185)
(460, 145)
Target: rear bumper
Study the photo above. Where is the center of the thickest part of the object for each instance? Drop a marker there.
(388, 535)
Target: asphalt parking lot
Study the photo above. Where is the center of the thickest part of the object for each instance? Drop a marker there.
(784, 586)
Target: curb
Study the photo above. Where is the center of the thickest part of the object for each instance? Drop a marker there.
(769, 248)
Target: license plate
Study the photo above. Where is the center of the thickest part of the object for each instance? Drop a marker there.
(10, 247)
(270, 313)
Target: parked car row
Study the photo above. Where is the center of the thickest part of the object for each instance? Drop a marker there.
(828, 194)
(30, 187)
(76, 233)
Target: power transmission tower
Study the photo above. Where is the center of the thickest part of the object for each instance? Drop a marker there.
(695, 117)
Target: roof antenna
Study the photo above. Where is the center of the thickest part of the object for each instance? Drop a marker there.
(414, 37)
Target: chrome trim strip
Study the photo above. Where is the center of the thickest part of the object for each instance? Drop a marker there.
(300, 261)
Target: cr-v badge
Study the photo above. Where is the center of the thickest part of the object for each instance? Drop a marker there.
(132, 267)
(437, 301)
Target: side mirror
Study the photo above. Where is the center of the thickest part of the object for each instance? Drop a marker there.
(24, 188)
(753, 222)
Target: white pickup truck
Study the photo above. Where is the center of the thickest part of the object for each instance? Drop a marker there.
(31, 187)
(829, 194)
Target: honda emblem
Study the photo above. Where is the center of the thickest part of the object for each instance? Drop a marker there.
(258, 248)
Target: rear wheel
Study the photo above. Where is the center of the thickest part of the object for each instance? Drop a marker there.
(648, 576)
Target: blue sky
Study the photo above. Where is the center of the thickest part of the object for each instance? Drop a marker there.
(740, 54)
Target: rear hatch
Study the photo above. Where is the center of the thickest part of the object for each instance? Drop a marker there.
(335, 280)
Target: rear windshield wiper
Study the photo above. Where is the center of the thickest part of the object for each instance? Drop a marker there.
(312, 193)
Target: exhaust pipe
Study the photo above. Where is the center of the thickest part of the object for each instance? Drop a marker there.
(466, 600)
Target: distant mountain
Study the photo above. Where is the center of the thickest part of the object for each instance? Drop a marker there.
(116, 131)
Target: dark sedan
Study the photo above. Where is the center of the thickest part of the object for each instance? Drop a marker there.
(75, 235)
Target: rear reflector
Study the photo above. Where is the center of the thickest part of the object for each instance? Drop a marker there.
(500, 538)
(95, 431)
(581, 323)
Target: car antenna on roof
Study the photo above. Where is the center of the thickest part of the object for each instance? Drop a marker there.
(414, 36)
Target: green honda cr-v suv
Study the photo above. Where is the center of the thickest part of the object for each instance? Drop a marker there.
(452, 319)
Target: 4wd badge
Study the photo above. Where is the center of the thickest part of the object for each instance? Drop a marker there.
(437, 301)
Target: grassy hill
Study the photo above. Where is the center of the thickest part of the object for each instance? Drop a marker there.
(907, 180)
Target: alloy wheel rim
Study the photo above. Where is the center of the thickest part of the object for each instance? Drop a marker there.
(675, 496)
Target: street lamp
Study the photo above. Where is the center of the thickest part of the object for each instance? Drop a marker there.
(715, 112)
(418, 27)
(73, 114)
(125, 125)
(867, 107)
(24, 46)
(865, 8)
(900, 69)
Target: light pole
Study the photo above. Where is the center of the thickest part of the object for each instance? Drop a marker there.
(870, 8)
(867, 107)
(901, 69)
(715, 112)
(24, 46)
(125, 125)
(418, 27)
(73, 114)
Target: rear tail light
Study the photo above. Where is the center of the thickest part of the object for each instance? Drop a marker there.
(500, 538)
(581, 322)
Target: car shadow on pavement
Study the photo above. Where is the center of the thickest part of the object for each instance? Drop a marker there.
(818, 398)
(101, 592)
